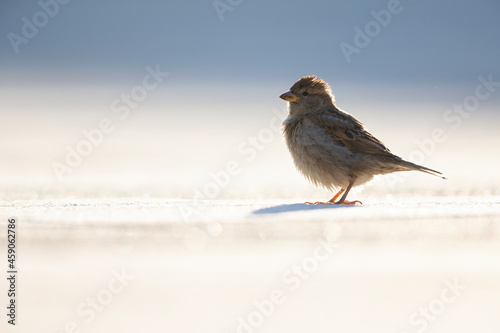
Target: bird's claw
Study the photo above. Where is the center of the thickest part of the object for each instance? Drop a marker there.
(351, 203)
(319, 203)
(348, 203)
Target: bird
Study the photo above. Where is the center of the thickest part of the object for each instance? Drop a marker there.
(332, 148)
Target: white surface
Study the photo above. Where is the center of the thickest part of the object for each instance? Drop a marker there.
(392, 256)
(200, 262)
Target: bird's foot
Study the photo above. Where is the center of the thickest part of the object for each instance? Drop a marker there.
(350, 203)
(319, 203)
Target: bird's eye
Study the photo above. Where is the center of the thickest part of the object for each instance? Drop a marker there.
(305, 93)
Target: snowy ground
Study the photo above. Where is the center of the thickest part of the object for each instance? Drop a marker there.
(191, 222)
(405, 264)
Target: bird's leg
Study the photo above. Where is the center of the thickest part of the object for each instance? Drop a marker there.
(342, 200)
(331, 201)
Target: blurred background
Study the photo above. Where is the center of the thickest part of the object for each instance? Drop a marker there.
(400, 67)
(115, 115)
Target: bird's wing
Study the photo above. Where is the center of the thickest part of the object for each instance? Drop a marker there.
(347, 130)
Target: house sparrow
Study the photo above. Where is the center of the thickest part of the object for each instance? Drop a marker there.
(332, 148)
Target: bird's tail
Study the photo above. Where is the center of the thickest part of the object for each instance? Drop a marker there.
(412, 166)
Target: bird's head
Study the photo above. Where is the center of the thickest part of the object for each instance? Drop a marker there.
(308, 95)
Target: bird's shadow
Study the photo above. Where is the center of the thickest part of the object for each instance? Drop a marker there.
(295, 207)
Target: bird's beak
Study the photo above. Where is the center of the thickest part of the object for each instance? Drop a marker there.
(289, 97)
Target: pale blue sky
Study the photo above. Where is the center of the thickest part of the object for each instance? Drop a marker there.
(112, 41)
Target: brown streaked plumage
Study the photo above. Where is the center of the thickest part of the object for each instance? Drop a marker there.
(332, 148)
